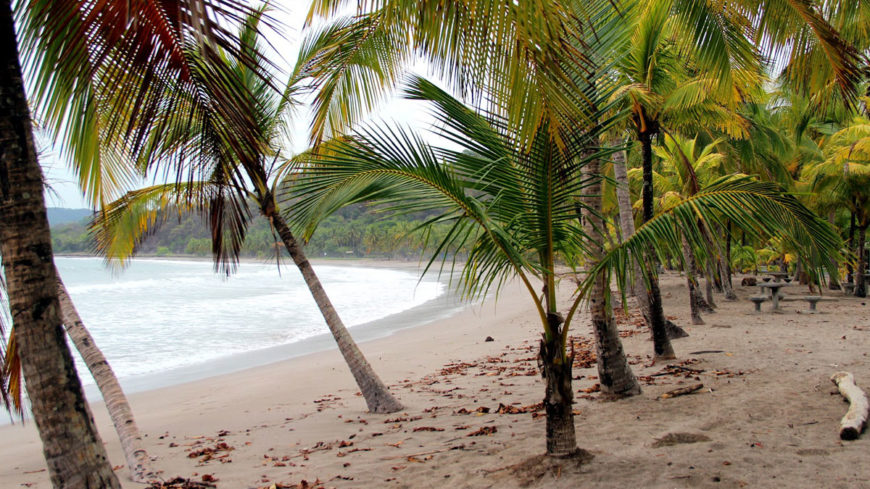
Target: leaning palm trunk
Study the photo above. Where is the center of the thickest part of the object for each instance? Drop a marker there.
(692, 282)
(74, 453)
(116, 402)
(614, 373)
(377, 396)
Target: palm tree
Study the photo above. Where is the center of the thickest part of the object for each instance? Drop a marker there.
(59, 409)
(845, 173)
(89, 60)
(516, 207)
(760, 209)
(684, 169)
(236, 173)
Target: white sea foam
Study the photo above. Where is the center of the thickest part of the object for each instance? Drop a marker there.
(159, 315)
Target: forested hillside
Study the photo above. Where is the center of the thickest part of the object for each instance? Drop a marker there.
(355, 231)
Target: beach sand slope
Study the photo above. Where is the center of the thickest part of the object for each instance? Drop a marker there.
(767, 415)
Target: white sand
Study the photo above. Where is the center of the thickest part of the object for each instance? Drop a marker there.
(767, 408)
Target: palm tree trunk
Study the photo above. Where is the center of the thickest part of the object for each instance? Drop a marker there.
(116, 402)
(74, 453)
(559, 396)
(626, 222)
(728, 269)
(662, 347)
(724, 273)
(708, 285)
(860, 277)
(833, 279)
(850, 275)
(692, 282)
(626, 216)
(614, 373)
(378, 397)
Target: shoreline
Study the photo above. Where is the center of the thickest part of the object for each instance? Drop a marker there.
(767, 415)
(276, 391)
(445, 305)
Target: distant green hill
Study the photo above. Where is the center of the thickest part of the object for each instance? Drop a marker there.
(60, 215)
(354, 231)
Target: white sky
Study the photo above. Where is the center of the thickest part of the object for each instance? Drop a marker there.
(65, 191)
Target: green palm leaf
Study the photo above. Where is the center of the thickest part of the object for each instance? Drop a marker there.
(761, 209)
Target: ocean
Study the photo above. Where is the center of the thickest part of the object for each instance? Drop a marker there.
(166, 321)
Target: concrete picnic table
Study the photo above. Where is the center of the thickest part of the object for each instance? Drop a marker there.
(774, 291)
(778, 276)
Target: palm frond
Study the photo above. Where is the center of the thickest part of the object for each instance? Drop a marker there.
(758, 208)
(103, 71)
(121, 226)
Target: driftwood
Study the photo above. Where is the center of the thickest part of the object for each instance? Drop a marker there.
(682, 391)
(855, 420)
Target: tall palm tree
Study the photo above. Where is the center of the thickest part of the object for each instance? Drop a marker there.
(845, 173)
(760, 209)
(516, 206)
(236, 173)
(684, 170)
(87, 58)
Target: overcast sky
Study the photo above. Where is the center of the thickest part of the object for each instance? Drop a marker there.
(65, 191)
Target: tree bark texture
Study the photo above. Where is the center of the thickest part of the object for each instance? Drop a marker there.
(614, 373)
(559, 396)
(708, 286)
(850, 276)
(378, 397)
(626, 223)
(626, 216)
(724, 272)
(73, 451)
(116, 401)
(661, 343)
(692, 282)
(861, 267)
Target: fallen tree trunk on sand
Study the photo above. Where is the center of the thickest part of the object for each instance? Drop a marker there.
(855, 420)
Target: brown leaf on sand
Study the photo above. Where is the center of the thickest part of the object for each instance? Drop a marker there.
(427, 428)
(678, 438)
(181, 483)
(531, 408)
(485, 430)
(208, 453)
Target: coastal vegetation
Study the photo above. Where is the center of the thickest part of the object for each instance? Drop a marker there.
(609, 139)
(356, 231)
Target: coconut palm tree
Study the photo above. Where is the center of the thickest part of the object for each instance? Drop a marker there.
(845, 173)
(683, 169)
(760, 209)
(516, 206)
(235, 173)
(86, 58)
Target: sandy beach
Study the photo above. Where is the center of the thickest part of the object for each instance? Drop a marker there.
(767, 415)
